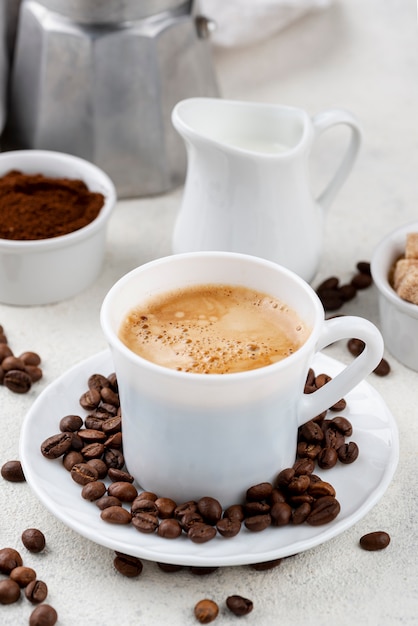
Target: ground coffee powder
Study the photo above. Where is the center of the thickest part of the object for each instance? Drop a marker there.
(33, 206)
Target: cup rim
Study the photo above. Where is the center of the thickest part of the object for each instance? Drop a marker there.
(384, 255)
(50, 156)
(116, 343)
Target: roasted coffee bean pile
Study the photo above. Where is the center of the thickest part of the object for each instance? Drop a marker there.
(322, 441)
(18, 373)
(333, 295)
(21, 577)
(91, 451)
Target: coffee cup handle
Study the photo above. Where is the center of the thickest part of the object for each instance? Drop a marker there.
(322, 122)
(334, 330)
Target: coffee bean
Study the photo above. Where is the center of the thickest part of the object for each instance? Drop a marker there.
(256, 508)
(356, 346)
(347, 292)
(91, 435)
(92, 451)
(265, 565)
(5, 350)
(72, 458)
(117, 475)
(304, 466)
(169, 529)
(377, 540)
(145, 522)
(323, 511)
(30, 358)
(106, 501)
(36, 591)
(311, 432)
(348, 453)
(329, 283)
(112, 425)
(262, 491)
(9, 559)
(99, 466)
(364, 267)
(125, 492)
(9, 591)
(127, 565)
(56, 445)
(17, 381)
(70, 423)
(340, 405)
(22, 575)
(34, 372)
(109, 396)
(343, 425)
(13, 472)
(97, 381)
(165, 507)
(321, 488)
(82, 473)
(308, 450)
(210, 509)
(257, 523)
(383, 369)
(33, 540)
(239, 605)
(298, 484)
(43, 615)
(228, 527)
(331, 299)
(143, 505)
(333, 438)
(361, 280)
(201, 533)
(301, 513)
(185, 507)
(114, 458)
(281, 513)
(169, 568)
(90, 399)
(284, 477)
(327, 458)
(235, 512)
(93, 491)
(206, 611)
(12, 363)
(116, 515)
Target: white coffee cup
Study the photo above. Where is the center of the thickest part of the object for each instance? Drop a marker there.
(188, 435)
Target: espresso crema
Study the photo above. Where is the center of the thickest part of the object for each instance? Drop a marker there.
(213, 329)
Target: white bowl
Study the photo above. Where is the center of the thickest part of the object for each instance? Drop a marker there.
(398, 318)
(43, 271)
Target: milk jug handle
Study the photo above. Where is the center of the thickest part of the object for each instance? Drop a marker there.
(322, 122)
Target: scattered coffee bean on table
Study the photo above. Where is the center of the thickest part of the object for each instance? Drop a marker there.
(43, 615)
(377, 540)
(206, 611)
(333, 295)
(13, 472)
(33, 540)
(18, 373)
(239, 606)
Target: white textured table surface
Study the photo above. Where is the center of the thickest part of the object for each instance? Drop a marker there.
(358, 55)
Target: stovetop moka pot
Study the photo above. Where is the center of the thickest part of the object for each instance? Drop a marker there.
(100, 79)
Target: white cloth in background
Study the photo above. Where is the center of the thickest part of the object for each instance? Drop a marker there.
(244, 22)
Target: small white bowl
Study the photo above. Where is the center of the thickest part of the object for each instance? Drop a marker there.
(398, 318)
(43, 271)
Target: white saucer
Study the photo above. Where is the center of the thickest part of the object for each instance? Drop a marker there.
(359, 486)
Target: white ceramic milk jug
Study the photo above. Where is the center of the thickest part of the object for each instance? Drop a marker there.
(247, 187)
